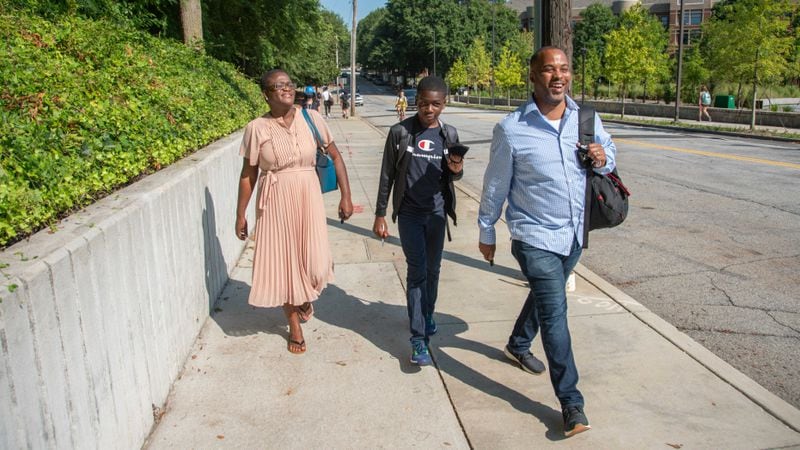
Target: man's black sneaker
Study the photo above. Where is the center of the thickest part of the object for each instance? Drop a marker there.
(526, 361)
(575, 420)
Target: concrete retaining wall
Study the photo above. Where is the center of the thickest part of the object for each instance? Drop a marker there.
(687, 112)
(97, 318)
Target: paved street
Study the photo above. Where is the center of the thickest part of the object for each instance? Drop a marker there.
(712, 244)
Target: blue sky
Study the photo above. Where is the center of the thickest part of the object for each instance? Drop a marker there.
(344, 8)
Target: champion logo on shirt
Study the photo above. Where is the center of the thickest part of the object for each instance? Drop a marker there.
(425, 145)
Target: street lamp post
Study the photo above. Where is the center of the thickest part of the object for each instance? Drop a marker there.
(353, 88)
(434, 51)
(583, 75)
(491, 83)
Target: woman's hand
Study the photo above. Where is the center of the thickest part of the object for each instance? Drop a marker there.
(345, 208)
(241, 228)
(379, 227)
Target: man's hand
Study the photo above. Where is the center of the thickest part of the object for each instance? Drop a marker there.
(597, 154)
(380, 228)
(487, 250)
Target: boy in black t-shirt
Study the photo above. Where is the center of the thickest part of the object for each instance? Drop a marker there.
(420, 169)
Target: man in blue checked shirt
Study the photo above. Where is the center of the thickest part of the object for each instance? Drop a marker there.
(534, 164)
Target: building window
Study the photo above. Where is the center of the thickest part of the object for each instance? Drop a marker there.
(691, 37)
(693, 17)
(664, 21)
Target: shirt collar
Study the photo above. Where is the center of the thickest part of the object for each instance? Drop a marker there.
(531, 107)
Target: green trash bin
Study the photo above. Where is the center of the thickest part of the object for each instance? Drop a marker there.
(724, 101)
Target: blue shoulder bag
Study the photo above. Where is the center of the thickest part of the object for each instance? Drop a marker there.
(325, 169)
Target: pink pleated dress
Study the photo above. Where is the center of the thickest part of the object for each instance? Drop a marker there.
(292, 262)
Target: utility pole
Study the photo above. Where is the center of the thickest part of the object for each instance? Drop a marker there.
(338, 67)
(680, 64)
(491, 83)
(583, 75)
(556, 25)
(434, 51)
(353, 62)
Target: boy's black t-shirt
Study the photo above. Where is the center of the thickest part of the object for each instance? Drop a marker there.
(423, 181)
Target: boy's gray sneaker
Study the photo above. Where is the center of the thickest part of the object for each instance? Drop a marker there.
(575, 420)
(526, 361)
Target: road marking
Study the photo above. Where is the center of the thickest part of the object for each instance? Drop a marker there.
(712, 154)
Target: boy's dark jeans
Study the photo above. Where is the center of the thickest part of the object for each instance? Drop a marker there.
(546, 308)
(422, 238)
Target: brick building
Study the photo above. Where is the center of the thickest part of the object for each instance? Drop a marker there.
(667, 11)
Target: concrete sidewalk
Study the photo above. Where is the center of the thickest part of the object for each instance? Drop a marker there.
(646, 384)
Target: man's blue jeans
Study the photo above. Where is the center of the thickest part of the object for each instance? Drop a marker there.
(422, 238)
(546, 309)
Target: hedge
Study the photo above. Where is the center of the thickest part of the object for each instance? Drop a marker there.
(88, 106)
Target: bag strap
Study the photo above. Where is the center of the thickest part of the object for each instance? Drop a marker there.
(586, 136)
(314, 130)
(586, 124)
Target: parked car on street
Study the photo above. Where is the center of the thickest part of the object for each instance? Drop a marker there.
(359, 99)
(411, 97)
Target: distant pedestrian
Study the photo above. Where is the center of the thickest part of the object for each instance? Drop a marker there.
(292, 262)
(703, 102)
(418, 169)
(327, 100)
(401, 104)
(535, 164)
(310, 100)
(344, 99)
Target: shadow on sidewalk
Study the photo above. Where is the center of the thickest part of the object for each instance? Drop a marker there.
(237, 318)
(386, 326)
(459, 258)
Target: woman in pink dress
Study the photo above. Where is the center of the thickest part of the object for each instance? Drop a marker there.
(292, 263)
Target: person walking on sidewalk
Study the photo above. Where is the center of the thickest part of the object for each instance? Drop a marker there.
(535, 165)
(292, 263)
(401, 104)
(703, 102)
(418, 170)
(327, 100)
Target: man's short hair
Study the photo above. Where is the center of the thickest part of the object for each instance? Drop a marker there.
(538, 53)
(432, 83)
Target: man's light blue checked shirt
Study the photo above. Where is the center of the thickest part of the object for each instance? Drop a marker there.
(536, 168)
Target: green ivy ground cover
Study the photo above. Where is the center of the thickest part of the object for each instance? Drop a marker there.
(87, 106)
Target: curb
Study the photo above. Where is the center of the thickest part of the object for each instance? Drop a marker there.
(772, 404)
(658, 126)
(697, 130)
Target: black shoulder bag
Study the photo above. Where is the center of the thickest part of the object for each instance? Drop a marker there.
(606, 197)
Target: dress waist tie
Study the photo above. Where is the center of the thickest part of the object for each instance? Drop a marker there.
(267, 178)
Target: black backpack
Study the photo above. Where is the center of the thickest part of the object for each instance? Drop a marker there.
(606, 197)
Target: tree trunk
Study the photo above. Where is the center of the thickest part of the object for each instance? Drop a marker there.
(557, 25)
(622, 116)
(191, 21)
(739, 96)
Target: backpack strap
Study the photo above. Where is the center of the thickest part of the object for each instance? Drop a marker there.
(586, 115)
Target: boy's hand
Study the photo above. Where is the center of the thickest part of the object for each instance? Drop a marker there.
(380, 228)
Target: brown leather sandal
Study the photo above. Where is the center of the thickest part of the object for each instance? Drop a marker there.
(301, 344)
(305, 311)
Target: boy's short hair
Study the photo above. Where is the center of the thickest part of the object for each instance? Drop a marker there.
(432, 83)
